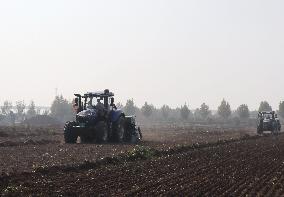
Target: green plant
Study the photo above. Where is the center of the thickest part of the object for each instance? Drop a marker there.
(141, 152)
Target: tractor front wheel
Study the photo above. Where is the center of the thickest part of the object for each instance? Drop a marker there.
(259, 131)
(70, 136)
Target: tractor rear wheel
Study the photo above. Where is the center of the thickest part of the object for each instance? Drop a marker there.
(70, 136)
(119, 130)
(101, 132)
(259, 130)
(275, 128)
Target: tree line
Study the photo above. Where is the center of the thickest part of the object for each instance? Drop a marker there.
(203, 113)
(61, 109)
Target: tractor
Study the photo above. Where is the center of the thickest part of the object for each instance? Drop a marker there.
(98, 120)
(268, 121)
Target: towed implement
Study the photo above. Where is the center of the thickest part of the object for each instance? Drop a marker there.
(98, 120)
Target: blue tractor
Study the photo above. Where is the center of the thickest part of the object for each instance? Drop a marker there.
(98, 120)
(268, 121)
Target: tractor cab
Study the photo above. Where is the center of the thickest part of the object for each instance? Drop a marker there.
(93, 100)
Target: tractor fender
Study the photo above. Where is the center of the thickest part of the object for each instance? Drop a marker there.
(115, 115)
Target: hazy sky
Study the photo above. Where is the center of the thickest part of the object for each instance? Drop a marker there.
(160, 51)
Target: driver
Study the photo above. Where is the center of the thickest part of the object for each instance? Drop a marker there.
(100, 106)
(90, 104)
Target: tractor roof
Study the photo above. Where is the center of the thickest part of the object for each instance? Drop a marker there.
(105, 93)
(267, 112)
(99, 94)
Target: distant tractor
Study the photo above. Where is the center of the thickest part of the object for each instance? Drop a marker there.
(268, 121)
(98, 120)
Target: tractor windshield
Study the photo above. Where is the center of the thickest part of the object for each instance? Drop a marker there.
(96, 102)
(267, 116)
(92, 102)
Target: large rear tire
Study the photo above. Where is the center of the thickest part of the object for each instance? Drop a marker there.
(70, 135)
(119, 130)
(259, 131)
(101, 132)
(275, 128)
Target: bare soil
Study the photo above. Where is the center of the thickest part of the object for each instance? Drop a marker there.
(248, 166)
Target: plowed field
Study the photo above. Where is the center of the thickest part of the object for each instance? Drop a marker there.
(249, 166)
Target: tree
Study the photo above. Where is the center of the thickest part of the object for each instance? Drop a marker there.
(147, 110)
(38, 111)
(119, 105)
(224, 110)
(204, 111)
(6, 108)
(281, 109)
(165, 111)
(197, 115)
(129, 108)
(61, 109)
(264, 106)
(31, 109)
(184, 112)
(236, 121)
(45, 112)
(243, 112)
(20, 107)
